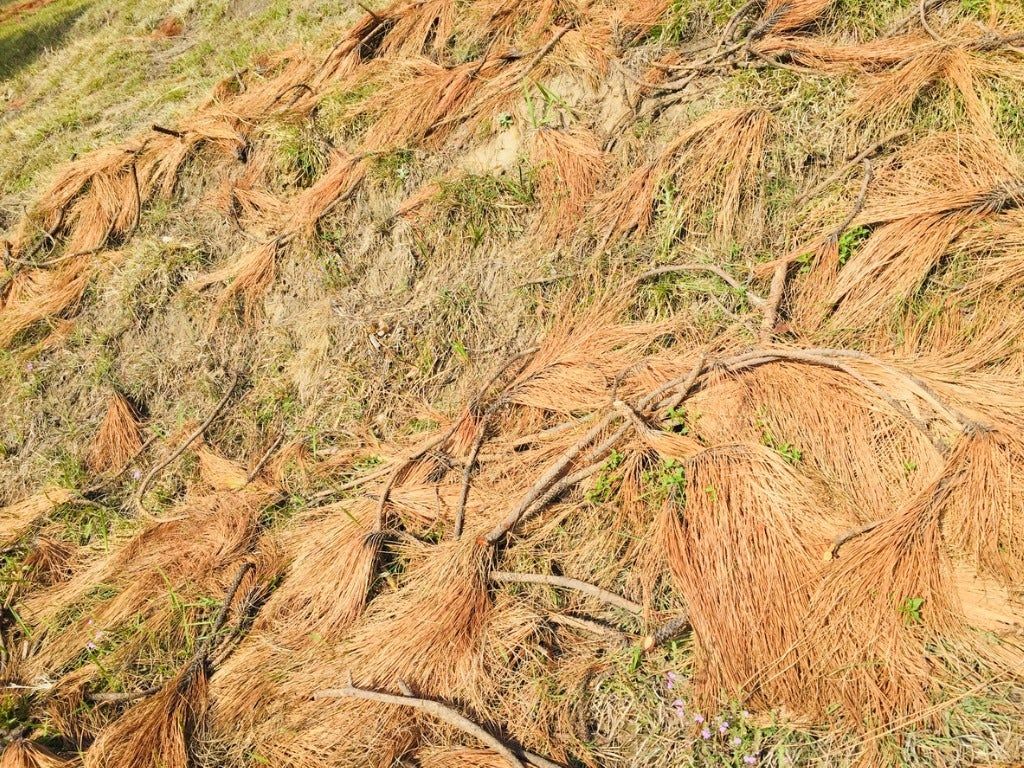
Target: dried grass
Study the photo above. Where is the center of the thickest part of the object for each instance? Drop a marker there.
(872, 643)
(931, 194)
(156, 732)
(22, 753)
(118, 439)
(18, 518)
(715, 164)
(569, 166)
(743, 547)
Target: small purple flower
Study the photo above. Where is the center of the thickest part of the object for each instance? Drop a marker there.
(736, 741)
(698, 718)
(705, 734)
(670, 680)
(745, 713)
(749, 760)
(723, 728)
(30, 366)
(136, 474)
(90, 646)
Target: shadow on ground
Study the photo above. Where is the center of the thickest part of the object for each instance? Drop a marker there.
(24, 37)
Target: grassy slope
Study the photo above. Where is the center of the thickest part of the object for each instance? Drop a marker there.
(362, 335)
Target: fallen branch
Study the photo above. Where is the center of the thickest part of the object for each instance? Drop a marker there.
(199, 658)
(755, 301)
(467, 471)
(909, 19)
(587, 625)
(544, 482)
(667, 631)
(264, 458)
(838, 541)
(168, 131)
(834, 359)
(843, 169)
(923, 18)
(156, 470)
(351, 483)
(434, 708)
(858, 205)
(508, 577)
(775, 294)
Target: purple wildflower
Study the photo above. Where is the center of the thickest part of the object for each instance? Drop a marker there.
(705, 734)
(750, 760)
(670, 680)
(90, 646)
(698, 718)
(723, 728)
(736, 741)
(136, 474)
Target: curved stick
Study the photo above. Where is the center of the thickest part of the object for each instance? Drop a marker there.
(755, 301)
(161, 466)
(842, 538)
(509, 577)
(834, 177)
(435, 708)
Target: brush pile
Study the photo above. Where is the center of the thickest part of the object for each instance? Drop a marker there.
(791, 486)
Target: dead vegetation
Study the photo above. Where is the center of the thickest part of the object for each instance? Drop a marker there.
(753, 451)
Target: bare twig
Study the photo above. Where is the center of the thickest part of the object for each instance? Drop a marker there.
(858, 204)
(730, 28)
(588, 625)
(199, 658)
(836, 359)
(210, 640)
(481, 436)
(842, 170)
(533, 437)
(922, 13)
(668, 631)
(434, 708)
(775, 294)
(838, 541)
(355, 483)
(467, 472)
(168, 131)
(122, 697)
(508, 577)
(551, 475)
(909, 19)
(545, 50)
(755, 301)
(265, 458)
(160, 466)
(682, 385)
(367, 9)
